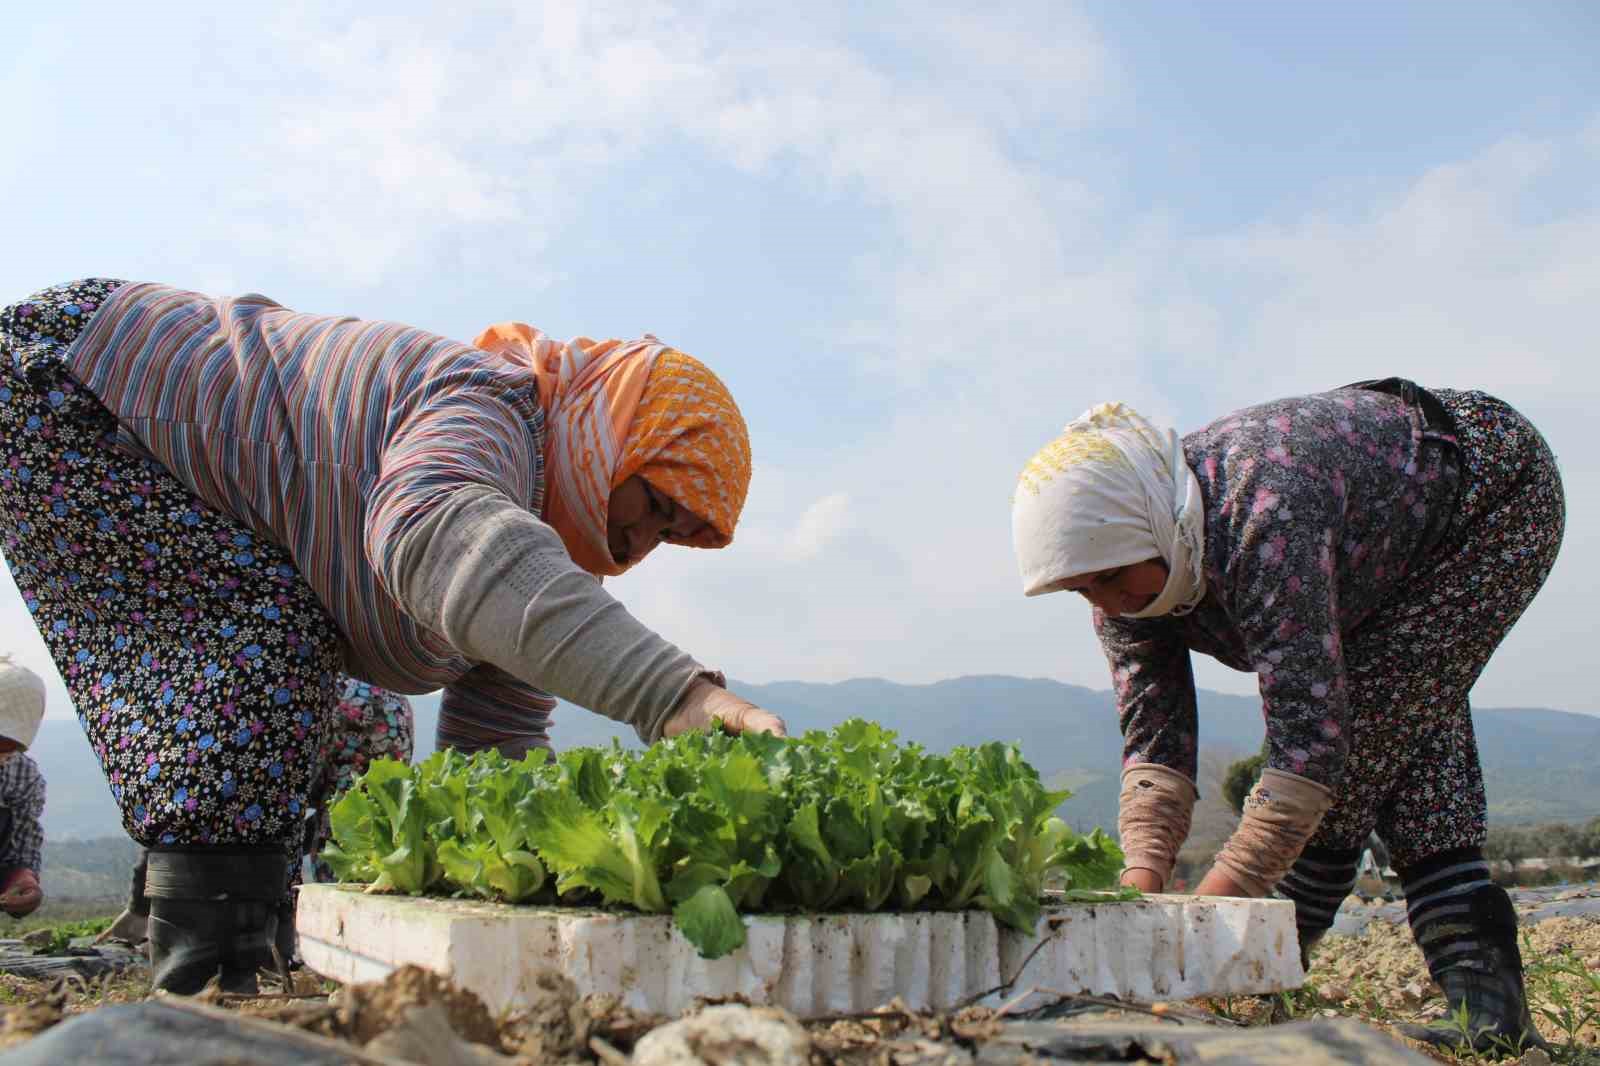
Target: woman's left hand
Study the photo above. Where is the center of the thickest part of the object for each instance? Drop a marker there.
(706, 705)
(1216, 882)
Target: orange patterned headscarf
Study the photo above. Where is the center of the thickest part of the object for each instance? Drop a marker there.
(614, 409)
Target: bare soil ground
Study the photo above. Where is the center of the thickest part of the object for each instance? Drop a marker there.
(1376, 977)
(1379, 978)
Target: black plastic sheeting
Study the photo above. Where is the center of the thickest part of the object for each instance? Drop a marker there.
(1314, 1043)
(87, 963)
(153, 1033)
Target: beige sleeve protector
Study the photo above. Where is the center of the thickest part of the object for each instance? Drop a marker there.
(1280, 815)
(1153, 817)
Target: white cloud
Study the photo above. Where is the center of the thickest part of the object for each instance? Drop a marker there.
(1456, 281)
(408, 129)
(1449, 279)
(1478, 274)
(1006, 292)
(822, 522)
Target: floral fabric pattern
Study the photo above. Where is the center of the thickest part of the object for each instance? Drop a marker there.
(1364, 567)
(368, 723)
(203, 669)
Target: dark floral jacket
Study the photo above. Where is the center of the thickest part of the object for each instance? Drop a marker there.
(1317, 508)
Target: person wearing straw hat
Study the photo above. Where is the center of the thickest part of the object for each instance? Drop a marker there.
(217, 508)
(1361, 551)
(22, 790)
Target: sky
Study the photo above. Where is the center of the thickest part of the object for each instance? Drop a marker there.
(915, 240)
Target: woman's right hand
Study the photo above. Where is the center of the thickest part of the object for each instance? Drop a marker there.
(705, 705)
(21, 895)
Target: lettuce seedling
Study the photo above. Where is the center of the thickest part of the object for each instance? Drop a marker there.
(707, 826)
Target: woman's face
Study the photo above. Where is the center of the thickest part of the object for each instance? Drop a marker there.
(1122, 589)
(639, 517)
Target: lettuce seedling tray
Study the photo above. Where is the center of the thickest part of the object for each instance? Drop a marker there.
(1158, 947)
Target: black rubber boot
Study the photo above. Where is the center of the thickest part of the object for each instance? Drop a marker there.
(1309, 939)
(284, 939)
(133, 923)
(214, 912)
(138, 901)
(1318, 882)
(1467, 930)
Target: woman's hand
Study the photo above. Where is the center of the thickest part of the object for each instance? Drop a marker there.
(20, 894)
(704, 705)
(1216, 882)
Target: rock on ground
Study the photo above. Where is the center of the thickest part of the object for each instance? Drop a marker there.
(424, 1038)
(368, 1011)
(727, 1036)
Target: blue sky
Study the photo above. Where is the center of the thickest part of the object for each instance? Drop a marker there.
(914, 239)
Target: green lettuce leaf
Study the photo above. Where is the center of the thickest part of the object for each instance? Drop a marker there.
(707, 825)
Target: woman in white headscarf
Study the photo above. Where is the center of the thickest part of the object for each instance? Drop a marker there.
(1363, 552)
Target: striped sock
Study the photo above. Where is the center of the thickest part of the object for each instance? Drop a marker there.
(1318, 882)
(1440, 895)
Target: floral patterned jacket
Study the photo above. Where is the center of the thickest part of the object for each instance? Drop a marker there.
(1317, 508)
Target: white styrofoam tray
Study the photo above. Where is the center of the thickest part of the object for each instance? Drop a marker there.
(1156, 948)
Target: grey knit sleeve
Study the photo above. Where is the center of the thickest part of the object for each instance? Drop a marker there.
(497, 583)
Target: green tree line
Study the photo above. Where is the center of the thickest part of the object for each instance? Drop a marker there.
(1508, 843)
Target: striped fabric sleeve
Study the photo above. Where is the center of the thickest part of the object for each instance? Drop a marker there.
(488, 708)
(470, 433)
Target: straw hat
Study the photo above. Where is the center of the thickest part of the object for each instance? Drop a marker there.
(21, 702)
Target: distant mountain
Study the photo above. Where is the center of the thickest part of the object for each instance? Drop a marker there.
(1540, 765)
(96, 868)
(77, 800)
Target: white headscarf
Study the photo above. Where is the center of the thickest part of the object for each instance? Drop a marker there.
(1112, 490)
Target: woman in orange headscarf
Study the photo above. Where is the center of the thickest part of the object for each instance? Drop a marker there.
(220, 510)
(642, 445)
